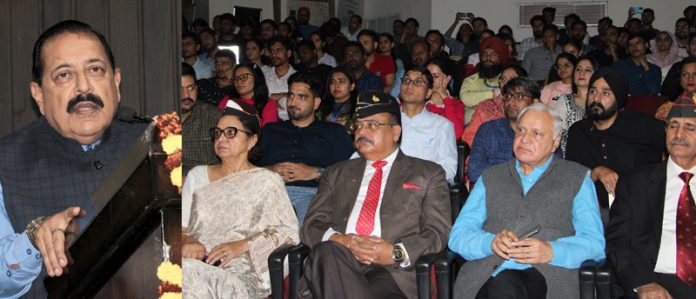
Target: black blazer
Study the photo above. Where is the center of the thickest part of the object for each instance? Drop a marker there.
(635, 225)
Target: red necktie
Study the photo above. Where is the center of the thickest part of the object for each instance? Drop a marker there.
(366, 220)
(686, 233)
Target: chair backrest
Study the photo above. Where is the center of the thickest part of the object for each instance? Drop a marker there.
(462, 153)
(644, 104)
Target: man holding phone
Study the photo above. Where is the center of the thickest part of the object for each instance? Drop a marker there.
(549, 203)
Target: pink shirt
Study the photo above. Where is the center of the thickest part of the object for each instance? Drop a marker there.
(554, 89)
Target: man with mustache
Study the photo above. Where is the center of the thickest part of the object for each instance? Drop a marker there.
(538, 61)
(365, 80)
(374, 216)
(49, 169)
(213, 90)
(483, 85)
(299, 149)
(277, 76)
(196, 121)
(493, 142)
(650, 235)
(612, 142)
(643, 77)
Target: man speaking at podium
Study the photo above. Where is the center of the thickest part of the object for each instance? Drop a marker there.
(49, 169)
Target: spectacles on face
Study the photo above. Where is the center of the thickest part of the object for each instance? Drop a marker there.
(369, 125)
(519, 97)
(242, 78)
(229, 132)
(415, 82)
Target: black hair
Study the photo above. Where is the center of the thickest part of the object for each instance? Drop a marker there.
(575, 43)
(198, 22)
(649, 10)
(304, 43)
(581, 22)
(571, 16)
(537, 18)
(459, 38)
(439, 35)
(354, 44)
(209, 31)
(260, 87)
(326, 105)
(423, 70)
(371, 33)
(551, 27)
(286, 42)
(520, 71)
(595, 67)
(329, 29)
(187, 70)
(635, 35)
(357, 17)
(398, 21)
(227, 54)
(412, 20)
(192, 35)
(68, 26)
(688, 60)
(314, 83)
(506, 27)
(269, 22)
(479, 19)
(444, 66)
(553, 74)
(606, 19)
(549, 8)
(525, 83)
(228, 17)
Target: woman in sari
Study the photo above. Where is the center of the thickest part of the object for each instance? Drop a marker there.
(239, 214)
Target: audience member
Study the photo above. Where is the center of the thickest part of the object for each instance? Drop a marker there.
(571, 106)
(301, 148)
(643, 77)
(277, 76)
(687, 83)
(208, 47)
(426, 135)
(565, 32)
(671, 87)
(480, 25)
(549, 14)
(492, 108)
(196, 120)
(560, 80)
(190, 45)
(267, 30)
(253, 53)
(681, 34)
(250, 87)
(304, 26)
(308, 62)
(663, 52)
(573, 47)
(597, 41)
(360, 208)
(355, 62)
(354, 25)
(647, 18)
(579, 33)
(538, 61)
(464, 43)
(213, 90)
(651, 224)
(613, 142)
(336, 43)
(537, 22)
(482, 85)
(339, 105)
(493, 141)
(380, 65)
(240, 214)
(322, 56)
(612, 51)
(535, 192)
(441, 101)
(226, 34)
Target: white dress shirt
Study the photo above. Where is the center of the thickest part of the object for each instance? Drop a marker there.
(278, 85)
(429, 136)
(667, 256)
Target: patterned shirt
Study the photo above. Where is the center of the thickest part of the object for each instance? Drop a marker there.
(570, 113)
(210, 92)
(196, 137)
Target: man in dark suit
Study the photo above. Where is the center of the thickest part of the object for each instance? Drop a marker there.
(651, 237)
(374, 216)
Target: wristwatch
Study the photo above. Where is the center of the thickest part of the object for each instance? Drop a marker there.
(320, 172)
(398, 256)
(32, 227)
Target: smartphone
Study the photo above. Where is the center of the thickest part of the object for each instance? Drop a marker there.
(637, 10)
(465, 15)
(216, 263)
(530, 233)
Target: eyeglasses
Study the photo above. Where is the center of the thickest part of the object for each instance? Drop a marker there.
(229, 132)
(242, 78)
(519, 97)
(370, 125)
(415, 82)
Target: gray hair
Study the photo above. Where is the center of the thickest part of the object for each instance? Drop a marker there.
(558, 124)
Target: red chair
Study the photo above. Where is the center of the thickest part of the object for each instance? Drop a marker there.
(644, 104)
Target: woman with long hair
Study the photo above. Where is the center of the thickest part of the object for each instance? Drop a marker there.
(253, 49)
(441, 101)
(339, 105)
(319, 44)
(250, 86)
(560, 81)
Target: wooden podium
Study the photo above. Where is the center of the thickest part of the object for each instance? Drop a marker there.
(138, 225)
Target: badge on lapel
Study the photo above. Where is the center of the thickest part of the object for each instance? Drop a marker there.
(411, 186)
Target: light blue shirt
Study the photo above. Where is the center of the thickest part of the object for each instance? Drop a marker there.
(20, 262)
(430, 137)
(469, 240)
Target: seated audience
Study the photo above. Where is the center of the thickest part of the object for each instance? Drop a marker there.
(213, 90)
(538, 61)
(426, 135)
(560, 80)
(250, 87)
(612, 142)
(441, 101)
(612, 50)
(301, 148)
(352, 30)
(374, 216)
(492, 108)
(537, 22)
(687, 82)
(483, 84)
(493, 142)
(651, 226)
(573, 47)
(380, 65)
(339, 105)
(238, 214)
(671, 87)
(277, 76)
(308, 61)
(528, 224)
(464, 43)
(643, 77)
(196, 120)
(190, 46)
(365, 80)
(253, 49)
(323, 57)
(663, 52)
(571, 106)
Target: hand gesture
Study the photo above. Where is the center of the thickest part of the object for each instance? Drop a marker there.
(531, 251)
(502, 243)
(50, 238)
(607, 176)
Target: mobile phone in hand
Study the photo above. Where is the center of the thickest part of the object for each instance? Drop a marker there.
(637, 10)
(215, 264)
(530, 233)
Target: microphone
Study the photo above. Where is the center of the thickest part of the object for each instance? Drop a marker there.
(128, 114)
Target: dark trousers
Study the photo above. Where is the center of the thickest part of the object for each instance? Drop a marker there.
(333, 272)
(528, 283)
(677, 288)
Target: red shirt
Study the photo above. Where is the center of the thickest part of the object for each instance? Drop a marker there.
(382, 66)
(268, 115)
(453, 110)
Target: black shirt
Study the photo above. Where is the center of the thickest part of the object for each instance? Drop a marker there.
(633, 141)
(606, 60)
(210, 92)
(320, 144)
